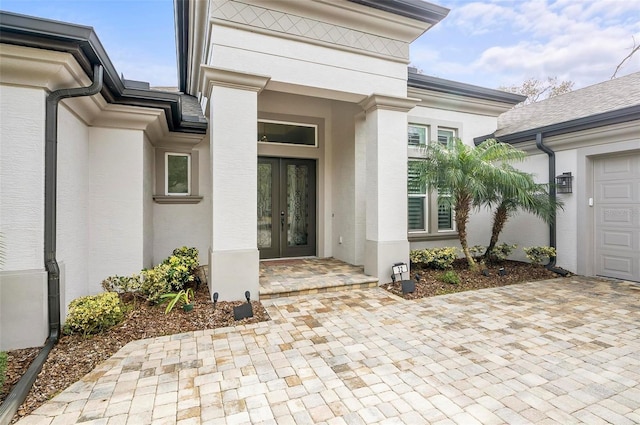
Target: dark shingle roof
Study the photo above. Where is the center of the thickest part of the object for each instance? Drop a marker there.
(605, 97)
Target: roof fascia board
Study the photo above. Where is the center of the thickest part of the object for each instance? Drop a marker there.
(436, 84)
(618, 116)
(83, 44)
(414, 9)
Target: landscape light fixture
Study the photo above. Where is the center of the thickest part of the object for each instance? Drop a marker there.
(408, 286)
(245, 310)
(215, 299)
(502, 271)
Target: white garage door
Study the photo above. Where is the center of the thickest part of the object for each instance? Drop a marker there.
(617, 216)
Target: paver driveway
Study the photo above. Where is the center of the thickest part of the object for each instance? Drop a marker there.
(558, 351)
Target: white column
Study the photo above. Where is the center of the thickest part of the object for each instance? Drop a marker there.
(386, 183)
(233, 117)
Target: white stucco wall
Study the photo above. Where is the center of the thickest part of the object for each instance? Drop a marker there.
(116, 158)
(22, 114)
(303, 64)
(176, 225)
(73, 205)
(23, 280)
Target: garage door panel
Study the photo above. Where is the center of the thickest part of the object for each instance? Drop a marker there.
(617, 240)
(620, 267)
(617, 216)
(616, 168)
(623, 192)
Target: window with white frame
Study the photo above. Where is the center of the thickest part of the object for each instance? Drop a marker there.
(417, 204)
(420, 202)
(177, 174)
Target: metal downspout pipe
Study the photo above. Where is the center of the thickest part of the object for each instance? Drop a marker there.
(20, 391)
(552, 195)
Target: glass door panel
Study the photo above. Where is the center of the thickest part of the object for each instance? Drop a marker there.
(286, 207)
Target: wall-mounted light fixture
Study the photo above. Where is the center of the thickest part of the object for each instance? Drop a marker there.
(564, 183)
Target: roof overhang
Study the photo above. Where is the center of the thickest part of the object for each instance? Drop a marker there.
(83, 44)
(618, 116)
(426, 82)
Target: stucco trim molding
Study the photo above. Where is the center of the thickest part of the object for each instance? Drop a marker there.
(211, 76)
(162, 199)
(391, 103)
(304, 27)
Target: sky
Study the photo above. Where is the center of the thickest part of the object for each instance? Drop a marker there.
(489, 43)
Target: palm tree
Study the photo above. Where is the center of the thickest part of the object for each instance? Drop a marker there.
(530, 196)
(470, 175)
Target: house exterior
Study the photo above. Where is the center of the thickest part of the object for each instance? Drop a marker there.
(593, 134)
(289, 136)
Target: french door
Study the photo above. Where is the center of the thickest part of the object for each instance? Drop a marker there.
(286, 207)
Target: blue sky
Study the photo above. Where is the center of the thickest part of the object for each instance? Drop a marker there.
(486, 42)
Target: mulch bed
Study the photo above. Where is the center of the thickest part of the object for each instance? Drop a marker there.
(74, 355)
(430, 285)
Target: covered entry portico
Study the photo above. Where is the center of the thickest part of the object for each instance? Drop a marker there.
(356, 96)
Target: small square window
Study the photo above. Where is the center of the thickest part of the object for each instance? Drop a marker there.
(178, 174)
(417, 135)
(446, 136)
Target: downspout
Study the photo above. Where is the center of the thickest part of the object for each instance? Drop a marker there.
(552, 196)
(20, 391)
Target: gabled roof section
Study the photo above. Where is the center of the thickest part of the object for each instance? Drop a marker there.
(83, 44)
(426, 82)
(605, 103)
(414, 9)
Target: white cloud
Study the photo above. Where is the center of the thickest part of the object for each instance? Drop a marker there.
(507, 42)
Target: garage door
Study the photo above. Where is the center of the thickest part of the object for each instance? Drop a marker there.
(617, 216)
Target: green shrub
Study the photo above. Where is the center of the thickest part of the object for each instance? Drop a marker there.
(122, 283)
(477, 250)
(502, 251)
(182, 265)
(93, 314)
(435, 258)
(537, 254)
(450, 277)
(3, 368)
(155, 283)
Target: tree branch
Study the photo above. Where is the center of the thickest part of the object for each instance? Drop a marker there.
(634, 49)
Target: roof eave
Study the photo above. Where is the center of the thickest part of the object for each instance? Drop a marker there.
(618, 116)
(83, 44)
(414, 9)
(426, 82)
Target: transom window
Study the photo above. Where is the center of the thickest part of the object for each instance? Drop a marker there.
(177, 174)
(287, 133)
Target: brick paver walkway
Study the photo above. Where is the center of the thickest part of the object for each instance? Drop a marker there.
(559, 351)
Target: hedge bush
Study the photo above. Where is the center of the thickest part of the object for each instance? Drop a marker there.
(3, 367)
(435, 258)
(537, 254)
(93, 314)
(182, 265)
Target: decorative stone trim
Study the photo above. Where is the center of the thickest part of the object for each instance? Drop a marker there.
(212, 76)
(290, 24)
(393, 103)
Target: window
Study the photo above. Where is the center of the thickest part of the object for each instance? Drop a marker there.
(178, 174)
(287, 133)
(446, 136)
(417, 135)
(417, 200)
(420, 202)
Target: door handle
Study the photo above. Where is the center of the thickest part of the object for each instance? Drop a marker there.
(282, 220)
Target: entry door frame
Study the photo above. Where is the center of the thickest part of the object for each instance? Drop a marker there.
(280, 213)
